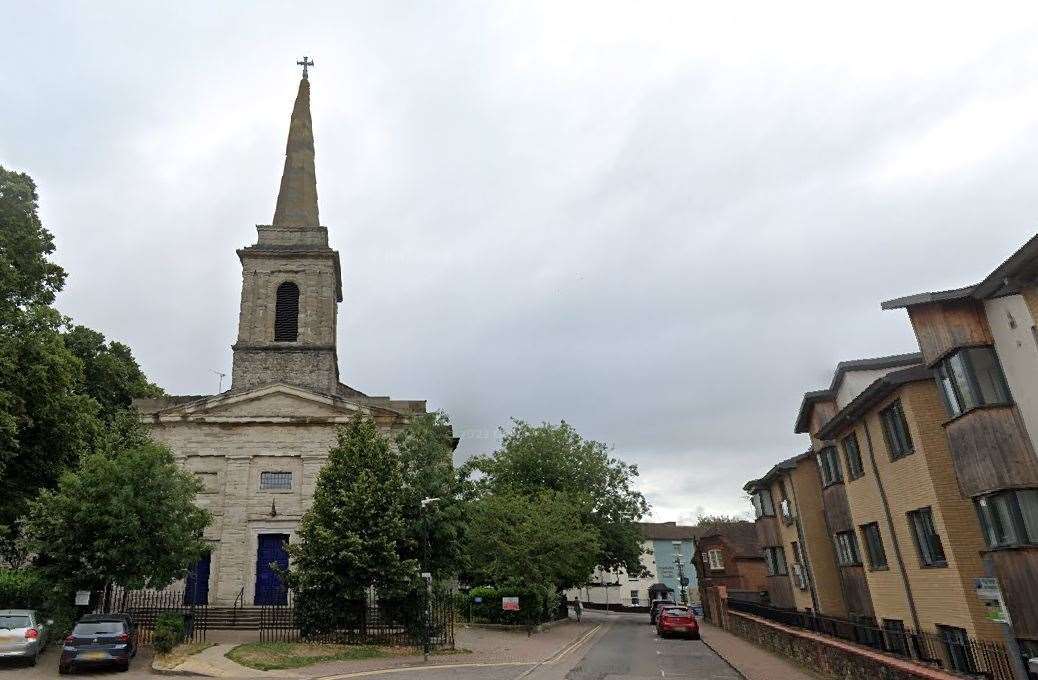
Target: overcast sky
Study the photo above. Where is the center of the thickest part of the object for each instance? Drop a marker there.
(660, 222)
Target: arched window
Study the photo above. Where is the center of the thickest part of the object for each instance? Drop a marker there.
(286, 313)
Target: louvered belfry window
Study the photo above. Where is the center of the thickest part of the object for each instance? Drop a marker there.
(286, 313)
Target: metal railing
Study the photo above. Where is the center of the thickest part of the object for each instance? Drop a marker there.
(145, 606)
(948, 650)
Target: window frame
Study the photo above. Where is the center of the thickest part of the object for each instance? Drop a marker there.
(775, 559)
(829, 466)
(760, 508)
(858, 471)
(892, 417)
(957, 381)
(924, 528)
(991, 520)
(286, 320)
(712, 564)
(847, 552)
(276, 475)
(871, 545)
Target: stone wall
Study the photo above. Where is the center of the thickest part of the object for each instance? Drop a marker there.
(825, 656)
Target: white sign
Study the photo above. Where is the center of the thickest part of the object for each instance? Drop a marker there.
(510, 604)
(82, 597)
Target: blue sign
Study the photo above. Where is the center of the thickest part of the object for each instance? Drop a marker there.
(477, 600)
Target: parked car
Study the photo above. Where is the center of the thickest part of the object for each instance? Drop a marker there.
(677, 621)
(99, 640)
(654, 609)
(23, 635)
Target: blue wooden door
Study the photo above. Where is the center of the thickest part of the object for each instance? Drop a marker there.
(270, 550)
(196, 589)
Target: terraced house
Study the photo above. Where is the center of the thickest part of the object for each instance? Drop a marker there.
(981, 344)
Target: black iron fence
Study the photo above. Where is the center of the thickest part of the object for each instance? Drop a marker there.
(423, 619)
(949, 648)
(145, 606)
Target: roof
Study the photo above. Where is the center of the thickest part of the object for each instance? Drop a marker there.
(777, 468)
(804, 414)
(1020, 267)
(876, 392)
(741, 536)
(663, 531)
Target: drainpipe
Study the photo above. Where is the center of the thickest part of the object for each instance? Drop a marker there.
(890, 526)
(803, 544)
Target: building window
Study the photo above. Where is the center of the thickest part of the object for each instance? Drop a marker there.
(897, 641)
(715, 560)
(286, 313)
(1009, 517)
(762, 503)
(635, 599)
(275, 481)
(970, 378)
(927, 540)
(775, 557)
(957, 645)
(847, 549)
(895, 430)
(853, 455)
(874, 546)
(829, 465)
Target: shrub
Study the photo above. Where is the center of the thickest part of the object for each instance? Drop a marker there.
(169, 632)
(22, 589)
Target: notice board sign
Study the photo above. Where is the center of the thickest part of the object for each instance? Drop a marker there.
(989, 592)
(510, 604)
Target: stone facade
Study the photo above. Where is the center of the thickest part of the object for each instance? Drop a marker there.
(258, 447)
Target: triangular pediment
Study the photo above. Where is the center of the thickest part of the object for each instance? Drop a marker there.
(275, 402)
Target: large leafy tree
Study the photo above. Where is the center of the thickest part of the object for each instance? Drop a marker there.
(353, 535)
(555, 458)
(125, 518)
(433, 532)
(535, 539)
(64, 391)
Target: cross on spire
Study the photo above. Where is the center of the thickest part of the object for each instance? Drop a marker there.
(307, 61)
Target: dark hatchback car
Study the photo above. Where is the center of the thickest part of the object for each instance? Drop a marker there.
(99, 640)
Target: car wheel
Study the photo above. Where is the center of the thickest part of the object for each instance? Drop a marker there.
(34, 659)
(123, 666)
(695, 636)
(63, 670)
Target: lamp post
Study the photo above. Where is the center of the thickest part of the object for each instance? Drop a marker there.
(681, 571)
(427, 577)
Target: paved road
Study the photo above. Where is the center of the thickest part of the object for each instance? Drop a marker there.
(623, 647)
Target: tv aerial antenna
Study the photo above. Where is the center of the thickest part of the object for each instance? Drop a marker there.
(221, 376)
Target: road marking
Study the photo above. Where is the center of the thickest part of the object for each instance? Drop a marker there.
(432, 667)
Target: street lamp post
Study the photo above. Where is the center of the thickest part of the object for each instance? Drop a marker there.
(427, 577)
(681, 571)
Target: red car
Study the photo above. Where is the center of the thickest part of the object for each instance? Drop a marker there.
(677, 621)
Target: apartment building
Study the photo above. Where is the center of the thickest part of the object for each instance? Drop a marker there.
(981, 344)
(730, 556)
(791, 529)
(914, 534)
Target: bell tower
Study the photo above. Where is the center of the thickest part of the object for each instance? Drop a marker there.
(291, 282)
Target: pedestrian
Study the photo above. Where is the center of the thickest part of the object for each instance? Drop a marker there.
(578, 609)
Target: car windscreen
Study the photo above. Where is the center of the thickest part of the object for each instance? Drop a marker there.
(676, 611)
(97, 628)
(9, 622)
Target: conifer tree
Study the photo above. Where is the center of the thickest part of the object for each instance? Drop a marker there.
(351, 538)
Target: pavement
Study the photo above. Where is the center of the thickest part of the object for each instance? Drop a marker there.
(604, 646)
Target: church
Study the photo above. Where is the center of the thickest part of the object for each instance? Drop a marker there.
(258, 446)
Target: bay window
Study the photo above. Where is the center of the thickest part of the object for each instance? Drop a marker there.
(1009, 517)
(970, 378)
(829, 465)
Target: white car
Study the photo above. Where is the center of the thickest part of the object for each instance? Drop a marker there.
(22, 634)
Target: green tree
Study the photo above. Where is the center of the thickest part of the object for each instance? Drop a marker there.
(127, 518)
(556, 458)
(433, 533)
(110, 373)
(27, 277)
(353, 535)
(537, 539)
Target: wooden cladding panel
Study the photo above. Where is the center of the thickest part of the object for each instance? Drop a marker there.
(1017, 572)
(768, 531)
(837, 509)
(856, 590)
(941, 326)
(780, 592)
(990, 450)
(821, 414)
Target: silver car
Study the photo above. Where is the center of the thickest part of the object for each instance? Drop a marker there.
(23, 634)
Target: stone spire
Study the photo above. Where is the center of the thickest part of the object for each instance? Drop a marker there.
(297, 197)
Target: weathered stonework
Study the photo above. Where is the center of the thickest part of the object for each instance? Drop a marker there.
(285, 402)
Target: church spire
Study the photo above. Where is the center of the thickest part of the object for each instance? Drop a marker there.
(297, 197)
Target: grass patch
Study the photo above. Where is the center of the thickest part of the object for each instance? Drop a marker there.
(180, 653)
(272, 656)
